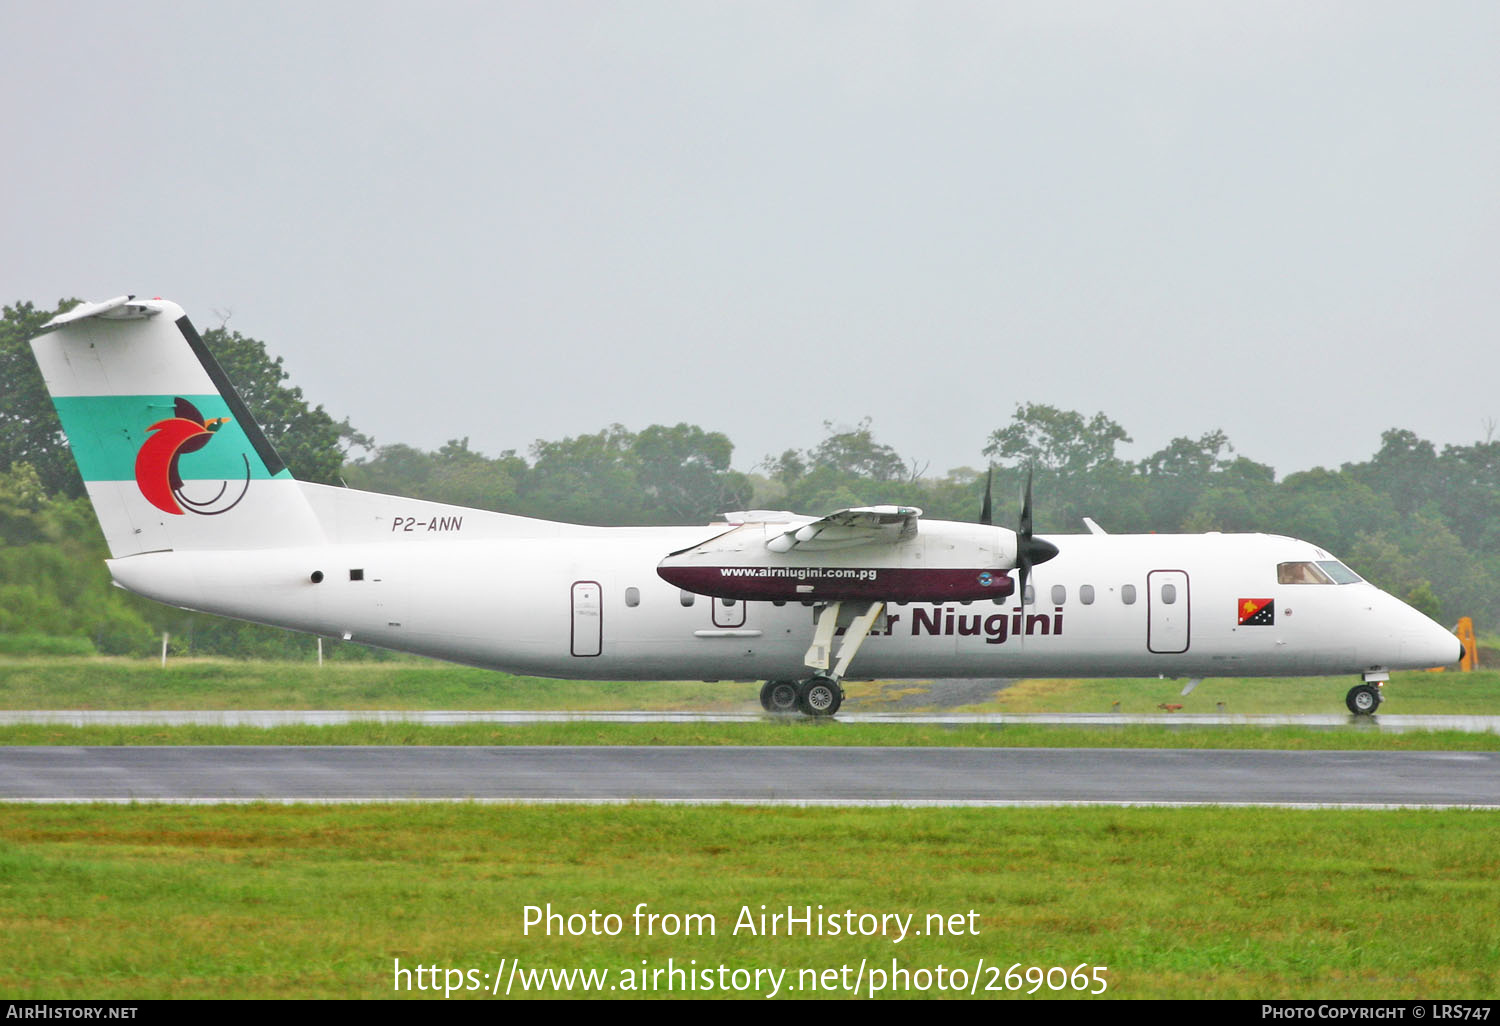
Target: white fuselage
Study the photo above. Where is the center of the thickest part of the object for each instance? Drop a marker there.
(588, 603)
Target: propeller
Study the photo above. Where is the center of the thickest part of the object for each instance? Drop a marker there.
(1029, 550)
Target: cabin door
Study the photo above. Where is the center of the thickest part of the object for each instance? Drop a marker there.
(1168, 617)
(588, 618)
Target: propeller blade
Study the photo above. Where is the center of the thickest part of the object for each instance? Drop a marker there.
(1023, 541)
(986, 512)
(1029, 550)
(1025, 530)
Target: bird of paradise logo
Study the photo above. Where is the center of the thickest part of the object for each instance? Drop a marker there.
(156, 471)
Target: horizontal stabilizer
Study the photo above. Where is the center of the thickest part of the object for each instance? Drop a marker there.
(118, 309)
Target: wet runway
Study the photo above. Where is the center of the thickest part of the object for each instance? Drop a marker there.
(330, 717)
(773, 775)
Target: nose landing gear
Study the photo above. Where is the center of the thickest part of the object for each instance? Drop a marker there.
(1364, 699)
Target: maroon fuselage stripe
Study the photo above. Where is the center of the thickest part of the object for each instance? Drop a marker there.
(889, 584)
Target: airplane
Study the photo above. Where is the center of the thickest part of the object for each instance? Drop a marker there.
(199, 512)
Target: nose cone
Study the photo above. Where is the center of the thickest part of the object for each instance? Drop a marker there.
(1425, 643)
(1398, 637)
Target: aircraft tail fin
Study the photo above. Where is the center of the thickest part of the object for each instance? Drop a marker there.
(168, 451)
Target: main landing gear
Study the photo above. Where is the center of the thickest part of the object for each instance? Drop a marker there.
(779, 696)
(1364, 699)
(821, 694)
(816, 696)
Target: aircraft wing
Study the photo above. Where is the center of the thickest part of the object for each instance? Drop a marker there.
(860, 525)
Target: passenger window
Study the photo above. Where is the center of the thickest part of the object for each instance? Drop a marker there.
(1029, 597)
(1059, 594)
(1127, 594)
(632, 597)
(687, 598)
(727, 603)
(1086, 594)
(1168, 594)
(1301, 573)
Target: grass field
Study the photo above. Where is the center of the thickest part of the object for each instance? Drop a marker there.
(1475, 693)
(113, 683)
(105, 683)
(269, 901)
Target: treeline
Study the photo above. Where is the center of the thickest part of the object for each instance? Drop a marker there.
(1415, 520)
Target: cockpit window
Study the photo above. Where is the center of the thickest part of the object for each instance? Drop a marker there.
(1340, 573)
(1301, 573)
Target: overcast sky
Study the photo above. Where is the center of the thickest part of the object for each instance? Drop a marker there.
(513, 221)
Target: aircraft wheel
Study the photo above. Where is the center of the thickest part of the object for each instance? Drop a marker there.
(779, 696)
(1363, 699)
(819, 696)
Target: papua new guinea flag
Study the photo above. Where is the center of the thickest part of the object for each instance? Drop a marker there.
(1257, 612)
